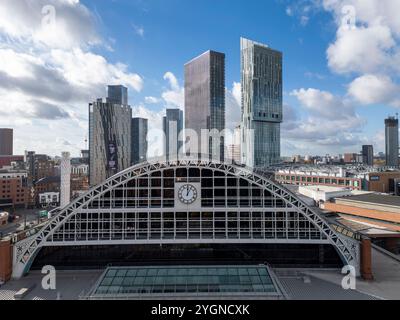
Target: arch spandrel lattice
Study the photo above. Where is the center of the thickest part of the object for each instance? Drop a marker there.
(126, 209)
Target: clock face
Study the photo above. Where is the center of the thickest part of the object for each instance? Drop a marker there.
(187, 194)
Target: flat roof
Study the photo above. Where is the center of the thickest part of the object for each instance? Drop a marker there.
(374, 198)
(186, 282)
(325, 188)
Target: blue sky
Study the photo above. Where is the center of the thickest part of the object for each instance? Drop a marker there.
(338, 87)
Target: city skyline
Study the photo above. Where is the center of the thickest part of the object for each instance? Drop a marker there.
(320, 78)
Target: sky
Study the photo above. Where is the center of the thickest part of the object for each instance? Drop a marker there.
(341, 65)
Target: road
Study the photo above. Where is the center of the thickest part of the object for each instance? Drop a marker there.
(30, 214)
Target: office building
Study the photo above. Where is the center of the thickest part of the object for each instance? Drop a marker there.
(139, 140)
(13, 188)
(117, 95)
(6, 142)
(261, 78)
(205, 103)
(368, 155)
(392, 141)
(350, 157)
(173, 126)
(109, 137)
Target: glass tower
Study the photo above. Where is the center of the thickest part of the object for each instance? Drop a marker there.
(392, 141)
(139, 140)
(109, 138)
(261, 79)
(172, 126)
(118, 95)
(368, 155)
(205, 101)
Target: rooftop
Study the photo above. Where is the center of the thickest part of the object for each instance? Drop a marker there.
(375, 198)
(187, 282)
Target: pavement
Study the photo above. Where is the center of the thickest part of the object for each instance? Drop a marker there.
(386, 272)
(70, 285)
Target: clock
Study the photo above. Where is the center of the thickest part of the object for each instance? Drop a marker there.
(187, 194)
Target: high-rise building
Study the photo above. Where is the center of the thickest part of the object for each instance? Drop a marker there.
(109, 136)
(392, 141)
(368, 155)
(205, 103)
(6, 142)
(139, 140)
(117, 95)
(172, 126)
(261, 79)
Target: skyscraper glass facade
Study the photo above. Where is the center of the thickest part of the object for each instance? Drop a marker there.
(118, 95)
(261, 79)
(205, 100)
(368, 154)
(109, 139)
(392, 141)
(139, 140)
(172, 126)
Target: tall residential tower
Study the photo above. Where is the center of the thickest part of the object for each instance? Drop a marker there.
(261, 79)
(205, 101)
(172, 126)
(109, 135)
(139, 140)
(392, 141)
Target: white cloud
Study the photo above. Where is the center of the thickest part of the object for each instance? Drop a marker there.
(341, 128)
(175, 95)
(139, 30)
(323, 103)
(49, 74)
(375, 89)
(363, 49)
(371, 43)
(233, 98)
(71, 24)
(152, 100)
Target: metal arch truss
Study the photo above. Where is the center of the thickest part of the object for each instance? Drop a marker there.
(25, 250)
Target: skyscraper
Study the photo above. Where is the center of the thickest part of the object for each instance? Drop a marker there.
(392, 141)
(368, 155)
(261, 79)
(205, 101)
(139, 140)
(6, 142)
(172, 126)
(118, 95)
(109, 137)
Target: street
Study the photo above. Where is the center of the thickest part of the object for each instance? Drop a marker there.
(30, 214)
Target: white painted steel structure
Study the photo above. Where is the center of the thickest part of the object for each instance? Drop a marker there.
(65, 179)
(141, 206)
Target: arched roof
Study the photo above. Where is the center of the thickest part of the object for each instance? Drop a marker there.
(26, 249)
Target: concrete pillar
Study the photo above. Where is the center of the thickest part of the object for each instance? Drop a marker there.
(5, 259)
(65, 179)
(366, 259)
